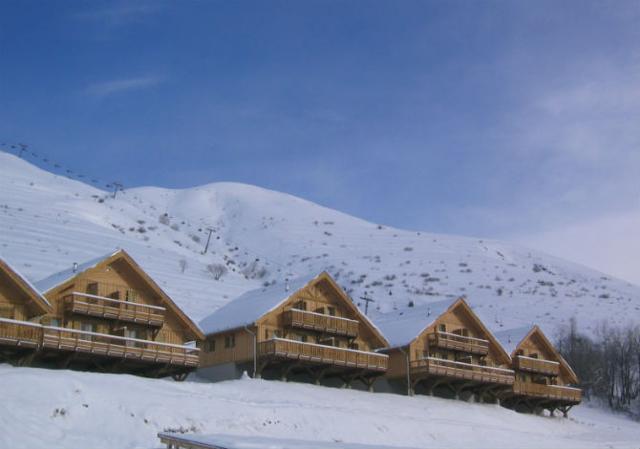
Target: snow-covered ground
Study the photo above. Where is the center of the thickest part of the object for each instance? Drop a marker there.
(48, 222)
(65, 409)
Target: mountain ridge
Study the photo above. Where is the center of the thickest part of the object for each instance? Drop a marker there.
(263, 236)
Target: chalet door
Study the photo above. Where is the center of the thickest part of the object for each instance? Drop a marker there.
(130, 333)
(87, 327)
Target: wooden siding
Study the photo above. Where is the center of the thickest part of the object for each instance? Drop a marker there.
(317, 316)
(85, 302)
(19, 334)
(97, 306)
(323, 355)
(303, 319)
(551, 392)
(13, 302)
(534, 365)
(461, 371)
(448, 340)
(114, 346)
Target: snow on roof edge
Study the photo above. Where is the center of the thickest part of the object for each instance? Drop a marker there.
(55, 279)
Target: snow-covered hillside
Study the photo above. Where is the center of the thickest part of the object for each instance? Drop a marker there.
(64, 409)
(259, 236)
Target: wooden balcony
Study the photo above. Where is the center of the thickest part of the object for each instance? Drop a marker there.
(431, 366)
(534, 365)
(121, 347)
(320, 322)
(455, 342)
(280, 348)
(19, 333)
(99, 306)
(552, 392)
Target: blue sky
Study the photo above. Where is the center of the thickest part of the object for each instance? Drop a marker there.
(514, 120)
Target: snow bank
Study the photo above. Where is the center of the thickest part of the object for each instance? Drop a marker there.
(64, 409)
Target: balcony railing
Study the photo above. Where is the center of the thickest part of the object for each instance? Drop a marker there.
(534, 365)
(455, 342)
(459, 370)
(100, 306)
(322, 355)
(320, 322)
(115, 346)
(557, 392)
(19, 333)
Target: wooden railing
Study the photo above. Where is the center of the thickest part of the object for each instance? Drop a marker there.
(115, 346)
(448, 340)
(93, 305)
(460, 370)
(319, 354)
(19, 333)
(534, 365)
(320, 322)
(34, 335)
(557, 392)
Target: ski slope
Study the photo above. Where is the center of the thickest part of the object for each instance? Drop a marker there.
(260, 236)
(64, 409)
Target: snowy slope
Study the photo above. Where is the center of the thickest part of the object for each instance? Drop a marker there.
(64, 409)
(49, 221)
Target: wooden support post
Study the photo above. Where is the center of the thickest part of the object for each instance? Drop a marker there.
(27, 359)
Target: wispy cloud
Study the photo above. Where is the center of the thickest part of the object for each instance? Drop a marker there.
(107, 88)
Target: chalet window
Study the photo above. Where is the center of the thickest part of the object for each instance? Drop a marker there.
(210, 345)
(464, 332)
(131, 295)
(303, 338)
(114, 295)
(230, 341)
(354, 346)
(54, 322)
(87, 327)
(533, 355)
(7, 312)
(442, 327)
(319, 310)
(300, 305)
(92, 288)
(332, 311)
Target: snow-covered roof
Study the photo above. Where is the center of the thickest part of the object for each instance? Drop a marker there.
(260, 442)
(53, 280)
(35, 291)
(250, 306)
(510, 338)
(401, 327)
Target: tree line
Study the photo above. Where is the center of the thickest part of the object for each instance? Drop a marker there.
(608, 364)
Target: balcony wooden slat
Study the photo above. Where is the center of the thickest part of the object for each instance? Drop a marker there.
(533, 365)
(21, 334)
(454, 342)
(319, 322)
(464, 371)
(114, 346)
(93, 305)
(551, 392)
(319, 354)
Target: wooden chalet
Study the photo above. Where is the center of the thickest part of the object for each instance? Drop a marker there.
(307, 329)
(444, 348)
(109, 315)
(21, 307)
(542, 376)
